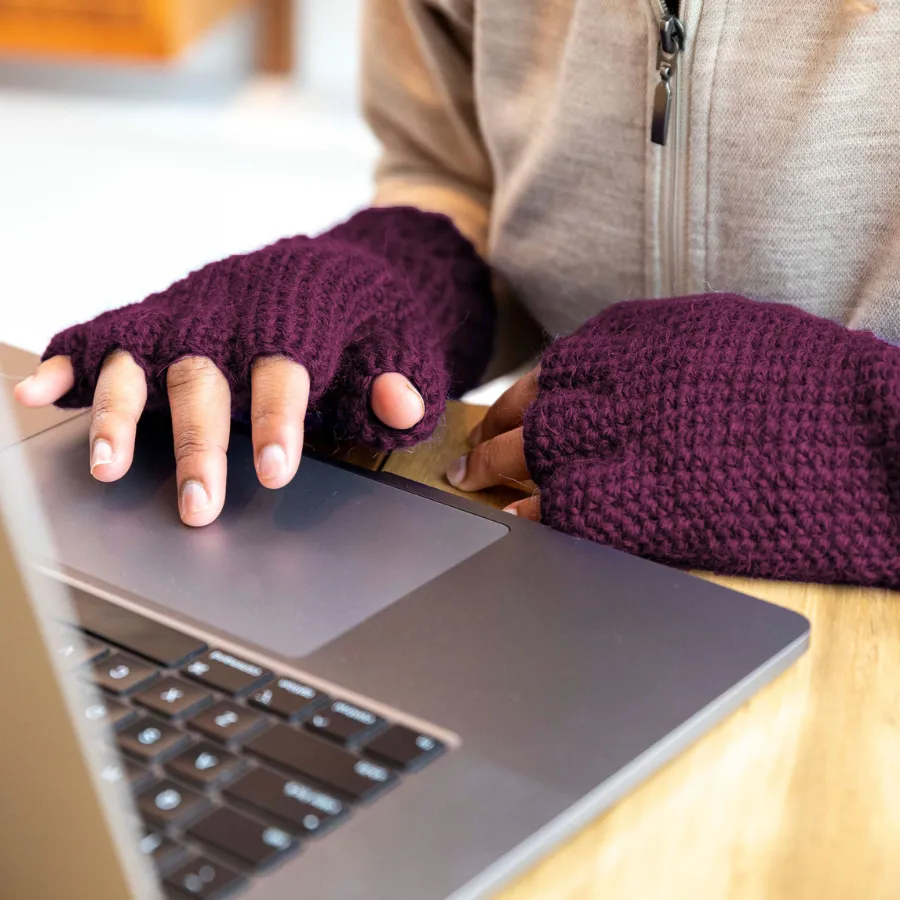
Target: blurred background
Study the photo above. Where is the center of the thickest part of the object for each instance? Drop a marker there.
(140, 139)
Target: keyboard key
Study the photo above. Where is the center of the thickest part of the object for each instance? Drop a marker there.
(226, 673)
(124, 769)
(204, 878)
(162, 850)
(134, 632)
(121, 674)
(151, 739)
(78, 649)
(173, 698)
(226, 721)
(255, 844)
(170, 804)
(404, 748)
(309, 812)
(345, 723)
(205, 764)
(113, 713)
(289, 699)
(314, 758)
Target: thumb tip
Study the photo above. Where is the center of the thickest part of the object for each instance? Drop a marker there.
(396, 402)
(23, 391)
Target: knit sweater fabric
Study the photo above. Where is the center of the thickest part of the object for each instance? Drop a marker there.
(720, 433)
(390, 290)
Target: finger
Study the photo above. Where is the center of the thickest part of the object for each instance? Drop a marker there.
(498, 461)
(396, 402)
(508, 410)
(279, 393)
(392, 359)
(119, 400)
(52, 379)
(529, 508)
(201, 417)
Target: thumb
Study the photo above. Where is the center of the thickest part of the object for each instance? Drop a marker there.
(396, 402)
(391, 390)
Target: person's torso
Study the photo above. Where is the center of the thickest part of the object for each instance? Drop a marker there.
(780, 177)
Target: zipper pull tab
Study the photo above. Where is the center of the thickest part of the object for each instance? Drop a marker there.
(671, 43)
(662, 106)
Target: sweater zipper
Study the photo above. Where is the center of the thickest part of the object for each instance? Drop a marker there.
(667, 130)
(671, 43)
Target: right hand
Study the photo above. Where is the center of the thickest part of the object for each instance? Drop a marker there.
(498, 449)
(200, 403)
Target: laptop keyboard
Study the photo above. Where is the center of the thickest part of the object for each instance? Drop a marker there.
(233, 767)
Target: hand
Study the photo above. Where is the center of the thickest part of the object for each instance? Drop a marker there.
(498, 454)
(371, 325)
(200, 403)
(721, 433)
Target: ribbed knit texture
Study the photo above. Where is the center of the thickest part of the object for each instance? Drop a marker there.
(720, 433)
(390, 290)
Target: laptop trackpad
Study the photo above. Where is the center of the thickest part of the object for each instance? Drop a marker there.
(289, 570)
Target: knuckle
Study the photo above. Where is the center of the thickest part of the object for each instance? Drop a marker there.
(482, 460)
(190, 442)
(269, 401)
(103, 404)
(266, 409)
(107, 412)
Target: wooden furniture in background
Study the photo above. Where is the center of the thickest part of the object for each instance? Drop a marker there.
(277, 37)
(96, 29)
(796, 796)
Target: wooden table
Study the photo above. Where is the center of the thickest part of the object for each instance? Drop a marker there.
(797, 795)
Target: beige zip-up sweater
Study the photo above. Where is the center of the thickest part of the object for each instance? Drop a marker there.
(528, 122)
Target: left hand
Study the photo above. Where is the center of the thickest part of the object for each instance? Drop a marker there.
(498, 449)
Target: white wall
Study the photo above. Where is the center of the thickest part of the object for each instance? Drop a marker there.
(115, 180)
(327, 48)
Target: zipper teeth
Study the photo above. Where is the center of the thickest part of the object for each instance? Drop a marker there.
(668, 206)
(659, 9)
(668, 212)
(679, 169)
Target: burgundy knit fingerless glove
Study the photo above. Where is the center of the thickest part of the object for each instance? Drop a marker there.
(720, 433)
(391, 290)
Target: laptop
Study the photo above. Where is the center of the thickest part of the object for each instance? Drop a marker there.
(355, 687)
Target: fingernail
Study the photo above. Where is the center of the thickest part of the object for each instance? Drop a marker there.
(101, 453)
(456, 472)
(412, 387)
(511, 509)
(193, 498)
(27, 380)
(272, 463)
(475, 435)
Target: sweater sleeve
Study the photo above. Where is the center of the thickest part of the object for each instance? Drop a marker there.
(418, 98)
